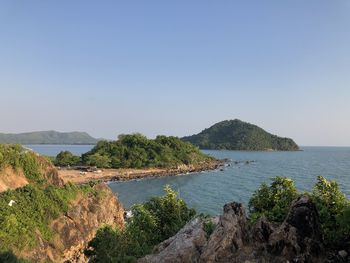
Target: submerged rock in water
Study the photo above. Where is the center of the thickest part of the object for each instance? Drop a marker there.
(297, 239)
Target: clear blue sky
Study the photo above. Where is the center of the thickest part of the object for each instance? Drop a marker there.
(176, 67)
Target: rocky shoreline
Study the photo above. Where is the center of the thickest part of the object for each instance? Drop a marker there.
(120, 175)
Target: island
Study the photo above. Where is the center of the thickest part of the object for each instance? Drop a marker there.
(239, 135)
(134, 156)
(47, 137)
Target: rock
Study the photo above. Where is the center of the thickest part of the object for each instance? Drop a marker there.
(343, 254)
(78, 226)
(262, 230)
(298, 239)
(185, 246)
(229, 236)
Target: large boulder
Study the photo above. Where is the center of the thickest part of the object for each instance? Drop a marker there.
(185, 246)
(299, 237)
(229, 236)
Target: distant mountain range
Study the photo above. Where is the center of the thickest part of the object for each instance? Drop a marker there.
(239, 135)
(48, 137)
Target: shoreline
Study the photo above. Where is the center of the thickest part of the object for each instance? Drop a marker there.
(129, 174)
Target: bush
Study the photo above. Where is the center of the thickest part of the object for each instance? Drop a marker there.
(273, 201)
(19, 159)
(66, 158)
(333, 208)
(152, 222)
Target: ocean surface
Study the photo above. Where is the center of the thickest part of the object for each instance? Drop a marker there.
(54, 149)
(209, 191)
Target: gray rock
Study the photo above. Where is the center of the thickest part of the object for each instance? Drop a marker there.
(185, 246)
(343, 253)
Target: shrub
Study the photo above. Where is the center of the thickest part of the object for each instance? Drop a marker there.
(152, 222)
(66, 158)
(273, 201)
(333, 208)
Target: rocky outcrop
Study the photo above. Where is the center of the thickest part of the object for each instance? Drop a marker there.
(297, 239)
(185, 246)
(79, 225)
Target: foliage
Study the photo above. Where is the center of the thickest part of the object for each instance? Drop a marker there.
(19, 159)
(333, 208)
(209, 227)
(273, 201)
(239, 135)
(66, 158)
(136, 151)
(33, 210)
(152, 222)
(35, 205)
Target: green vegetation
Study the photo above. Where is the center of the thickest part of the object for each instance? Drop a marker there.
(239, 135)
(136, 151)
(152, 222)
(273, 201)
(66, 158)
(334, 208)
(16, 157)
(208, 226)
(48, 137)
(33, 210)
(35, 205)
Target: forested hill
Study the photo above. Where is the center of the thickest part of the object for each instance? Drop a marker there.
(137, 151)
(239, 135)
(48, 137)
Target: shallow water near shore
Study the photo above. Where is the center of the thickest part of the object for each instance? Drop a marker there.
(209, 191)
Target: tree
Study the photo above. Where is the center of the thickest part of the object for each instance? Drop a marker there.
(152, 222)
(66, 158)
(273, 201)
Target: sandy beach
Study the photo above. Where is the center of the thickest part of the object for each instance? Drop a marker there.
(78, 177)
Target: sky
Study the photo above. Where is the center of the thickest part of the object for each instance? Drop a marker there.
(176, 67)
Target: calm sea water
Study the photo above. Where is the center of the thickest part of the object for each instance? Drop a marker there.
(209, 191)
(54, 149)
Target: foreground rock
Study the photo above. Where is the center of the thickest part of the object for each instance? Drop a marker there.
(78, 226)
(297, 239)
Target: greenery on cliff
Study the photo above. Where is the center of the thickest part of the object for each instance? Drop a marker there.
(136, 151)
(26, 212)
(152, 222)
(239, 135)
(48, 137)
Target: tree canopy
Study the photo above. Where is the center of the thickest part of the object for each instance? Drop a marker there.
(239, 135)
(137, 151)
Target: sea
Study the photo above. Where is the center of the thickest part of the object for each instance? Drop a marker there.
(207, 192)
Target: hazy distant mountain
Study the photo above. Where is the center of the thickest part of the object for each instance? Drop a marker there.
(239, 135)
(48, 137)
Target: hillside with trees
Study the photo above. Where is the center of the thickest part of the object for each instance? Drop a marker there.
(239, 135)
(137, 151)
(47, 137)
